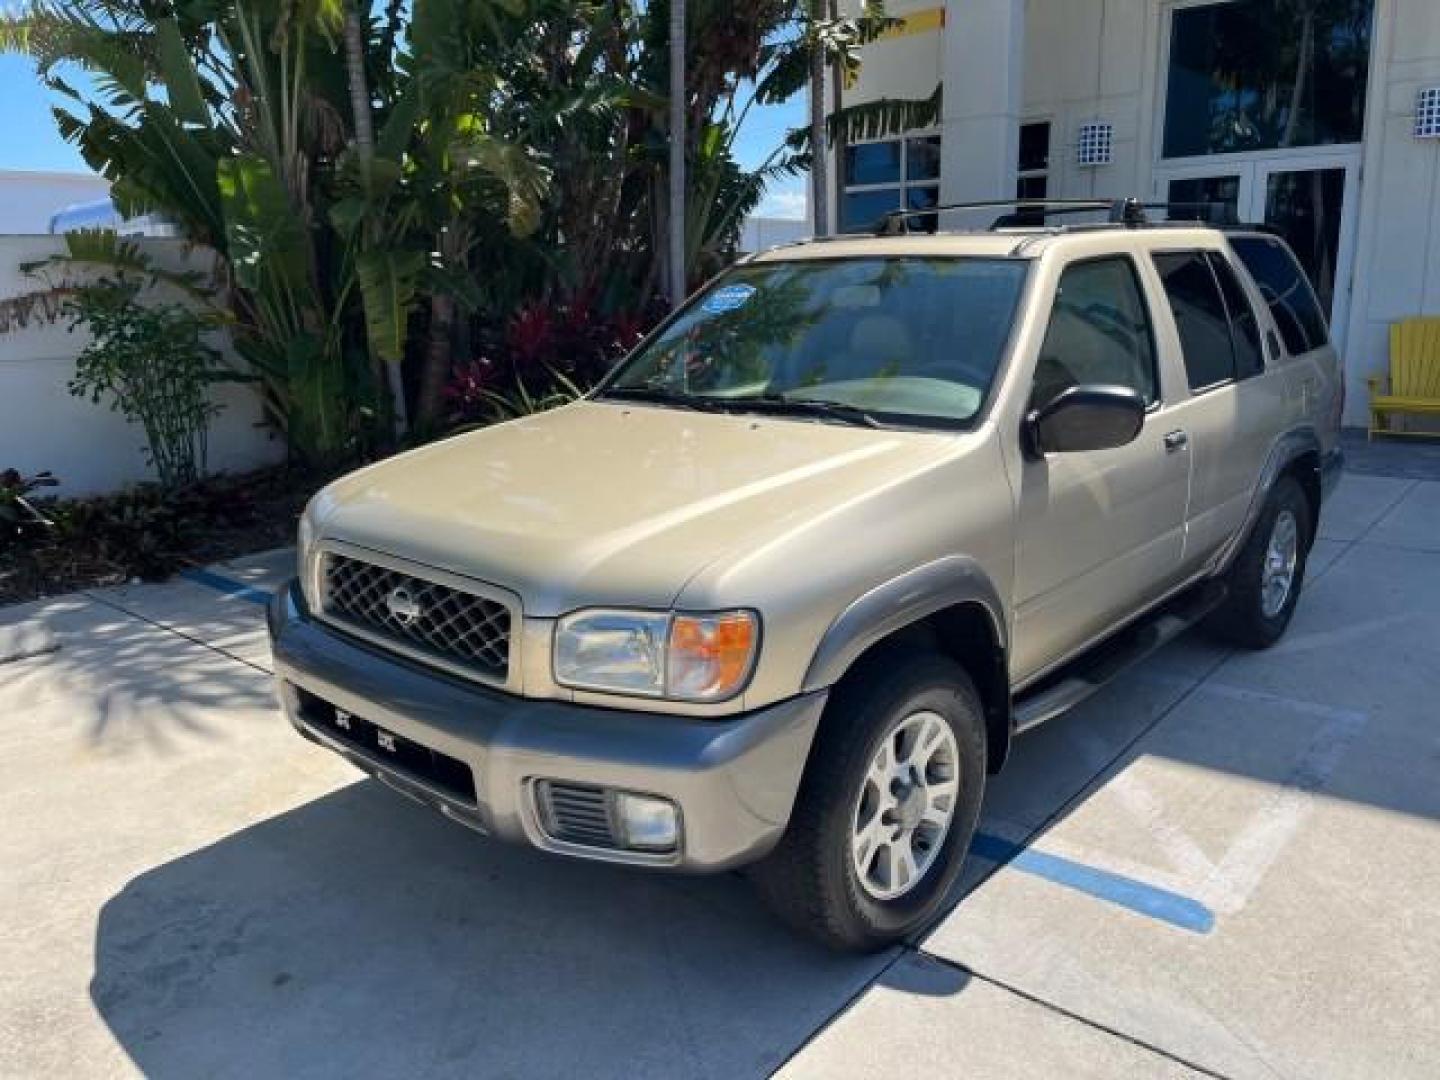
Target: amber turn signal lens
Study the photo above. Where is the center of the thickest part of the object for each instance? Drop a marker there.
(710, 655)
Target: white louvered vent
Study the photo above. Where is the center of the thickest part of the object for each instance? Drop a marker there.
(1427, 113)
(1095, 144)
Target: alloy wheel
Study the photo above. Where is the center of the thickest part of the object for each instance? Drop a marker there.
(1277, 577)
(905, 806)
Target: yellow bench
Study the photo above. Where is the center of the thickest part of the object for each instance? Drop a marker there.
(1414, 383)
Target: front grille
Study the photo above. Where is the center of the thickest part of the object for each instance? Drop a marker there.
(441, 771)
(577, 814)
(436, 620)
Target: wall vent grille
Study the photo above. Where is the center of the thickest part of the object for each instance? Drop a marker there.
(1427, 113)
(1095, 144)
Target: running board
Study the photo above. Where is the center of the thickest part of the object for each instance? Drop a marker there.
(1063, 690)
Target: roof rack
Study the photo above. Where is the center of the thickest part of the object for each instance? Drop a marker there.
(1128, 212)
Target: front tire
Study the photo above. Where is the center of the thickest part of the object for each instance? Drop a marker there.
(1265, 579)
(887, 807)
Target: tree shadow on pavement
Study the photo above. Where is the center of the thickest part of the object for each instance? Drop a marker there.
(125, 684)
(361, 935)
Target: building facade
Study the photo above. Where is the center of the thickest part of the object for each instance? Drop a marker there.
(1320, 118)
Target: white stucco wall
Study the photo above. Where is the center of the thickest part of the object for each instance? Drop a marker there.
(759, 233)
(28, 199)
(1088, 60)
(88, 447)
(907, 66)
(1397, 261)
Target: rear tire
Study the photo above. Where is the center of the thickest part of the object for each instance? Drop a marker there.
(866, 860)
(1263, 583)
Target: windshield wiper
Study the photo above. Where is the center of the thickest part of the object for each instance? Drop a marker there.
(779, 404)
(652, 396)
(803, 406)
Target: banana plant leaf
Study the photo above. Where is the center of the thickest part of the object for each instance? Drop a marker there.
(388, 283)
(182, 84)
(268, 246)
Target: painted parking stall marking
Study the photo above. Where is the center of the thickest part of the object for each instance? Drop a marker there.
(1193, 888)
(1127, 892)
(229, 586)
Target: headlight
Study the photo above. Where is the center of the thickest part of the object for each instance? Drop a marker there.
(684, 656)
(304, 541)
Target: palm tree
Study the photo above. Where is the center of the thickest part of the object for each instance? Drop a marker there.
(823, 38)
(819, 181)
(677, 153)
(364, 142)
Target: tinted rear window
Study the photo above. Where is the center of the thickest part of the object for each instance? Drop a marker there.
(1286, 289)
(1199, 316)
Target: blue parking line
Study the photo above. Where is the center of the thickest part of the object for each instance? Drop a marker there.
(237, 589)
(1137, 896)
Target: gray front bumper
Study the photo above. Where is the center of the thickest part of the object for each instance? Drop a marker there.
(734, 779)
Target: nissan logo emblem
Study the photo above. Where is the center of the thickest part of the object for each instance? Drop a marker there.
(404, 607)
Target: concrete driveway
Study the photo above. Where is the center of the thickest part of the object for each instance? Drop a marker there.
(1224, 865)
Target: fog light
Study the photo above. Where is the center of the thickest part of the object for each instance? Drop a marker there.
(647, 824)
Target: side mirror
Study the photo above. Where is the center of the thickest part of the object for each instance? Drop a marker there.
(1085, 418)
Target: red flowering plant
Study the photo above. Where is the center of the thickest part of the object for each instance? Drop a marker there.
(547, 355)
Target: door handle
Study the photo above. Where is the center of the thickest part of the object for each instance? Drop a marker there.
(1176, 440)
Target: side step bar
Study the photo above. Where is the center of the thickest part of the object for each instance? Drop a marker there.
(1062, 691)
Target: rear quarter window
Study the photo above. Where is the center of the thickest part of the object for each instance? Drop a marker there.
(1244, 327)
(1286, 290)
(1200, 317)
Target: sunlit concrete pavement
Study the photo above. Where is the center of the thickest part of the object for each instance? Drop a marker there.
(1225, 864)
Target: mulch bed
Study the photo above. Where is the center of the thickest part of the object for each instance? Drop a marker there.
(148, 533)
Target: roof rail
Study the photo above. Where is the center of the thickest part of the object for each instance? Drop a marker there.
(1129, 212)
(896, 222)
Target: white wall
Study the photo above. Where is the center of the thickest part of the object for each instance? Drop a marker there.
(88, 447)
(1088, 60)
(759, 233)
(28, 199)
(906, 66)
(1397, 264)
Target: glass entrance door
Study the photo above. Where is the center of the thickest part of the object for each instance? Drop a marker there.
(1309, 199)
(1307, 206)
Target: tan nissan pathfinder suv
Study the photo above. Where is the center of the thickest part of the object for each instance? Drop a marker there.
(781, 591)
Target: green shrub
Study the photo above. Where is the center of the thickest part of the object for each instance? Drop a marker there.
(152, 362)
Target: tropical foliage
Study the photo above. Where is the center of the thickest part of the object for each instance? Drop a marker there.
(151, 362)
(395, 193)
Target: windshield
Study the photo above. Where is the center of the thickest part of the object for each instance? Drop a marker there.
(875, 340)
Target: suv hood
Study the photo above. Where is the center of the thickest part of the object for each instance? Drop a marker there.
(611, 504)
